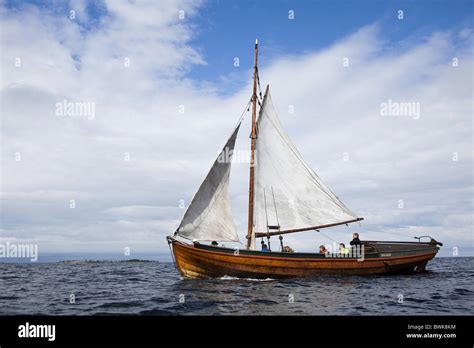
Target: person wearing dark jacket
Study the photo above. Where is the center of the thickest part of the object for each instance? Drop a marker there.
(355, 239)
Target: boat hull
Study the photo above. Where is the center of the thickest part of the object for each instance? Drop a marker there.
(195, 261)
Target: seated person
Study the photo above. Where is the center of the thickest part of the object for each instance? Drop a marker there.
(355, 239)
(287, 249)
(265, 247)
(343, 249)
(322, 249)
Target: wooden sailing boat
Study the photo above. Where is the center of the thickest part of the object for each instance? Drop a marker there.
(285, 196)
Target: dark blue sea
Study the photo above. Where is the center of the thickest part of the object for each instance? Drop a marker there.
(155, 288)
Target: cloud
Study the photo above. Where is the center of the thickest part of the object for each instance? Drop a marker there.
(156, 132)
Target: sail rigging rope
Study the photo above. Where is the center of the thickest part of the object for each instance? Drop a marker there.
(172, 255)
(258, 83)
(246, 109)
(326, 236)
(276, 212)
(265, 200)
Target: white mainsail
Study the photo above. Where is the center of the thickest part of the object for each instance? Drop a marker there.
(209, 217)
(288, 193)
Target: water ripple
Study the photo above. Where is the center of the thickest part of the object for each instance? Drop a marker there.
(151, 288)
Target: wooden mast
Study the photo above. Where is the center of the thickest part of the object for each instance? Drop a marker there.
(253, 136)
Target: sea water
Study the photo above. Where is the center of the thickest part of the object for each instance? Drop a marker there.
(156, 288)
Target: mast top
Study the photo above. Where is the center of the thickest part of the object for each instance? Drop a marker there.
(256, 41)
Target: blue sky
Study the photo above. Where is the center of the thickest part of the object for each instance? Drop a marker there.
(227, 29)
(190, 63)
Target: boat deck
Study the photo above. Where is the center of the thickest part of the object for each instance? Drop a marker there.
(372, 249)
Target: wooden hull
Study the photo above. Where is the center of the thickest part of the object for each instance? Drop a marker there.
(196, 261)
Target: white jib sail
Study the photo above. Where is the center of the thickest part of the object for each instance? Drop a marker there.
(288, 192)
(209, 217)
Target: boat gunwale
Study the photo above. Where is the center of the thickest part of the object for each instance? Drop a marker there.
(434, 250)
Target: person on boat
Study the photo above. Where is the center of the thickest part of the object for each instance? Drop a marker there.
(265, 247)
(322, 249)
(214, 243)
(355, 239)
(343, 249)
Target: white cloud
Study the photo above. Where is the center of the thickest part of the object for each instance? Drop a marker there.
(136, 203)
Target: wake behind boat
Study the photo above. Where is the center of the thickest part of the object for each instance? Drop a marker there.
(285, 196)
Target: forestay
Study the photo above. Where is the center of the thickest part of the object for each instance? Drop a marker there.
(288, 193)
(209, 217)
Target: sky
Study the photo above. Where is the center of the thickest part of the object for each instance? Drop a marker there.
(161, 91)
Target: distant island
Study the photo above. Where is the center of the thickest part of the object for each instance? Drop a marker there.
(101, 261)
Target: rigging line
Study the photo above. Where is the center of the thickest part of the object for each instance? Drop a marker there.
(276, 211)
(258, 83)
(266, 214)
(243, 113)
(327, 236)
(172, 255)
